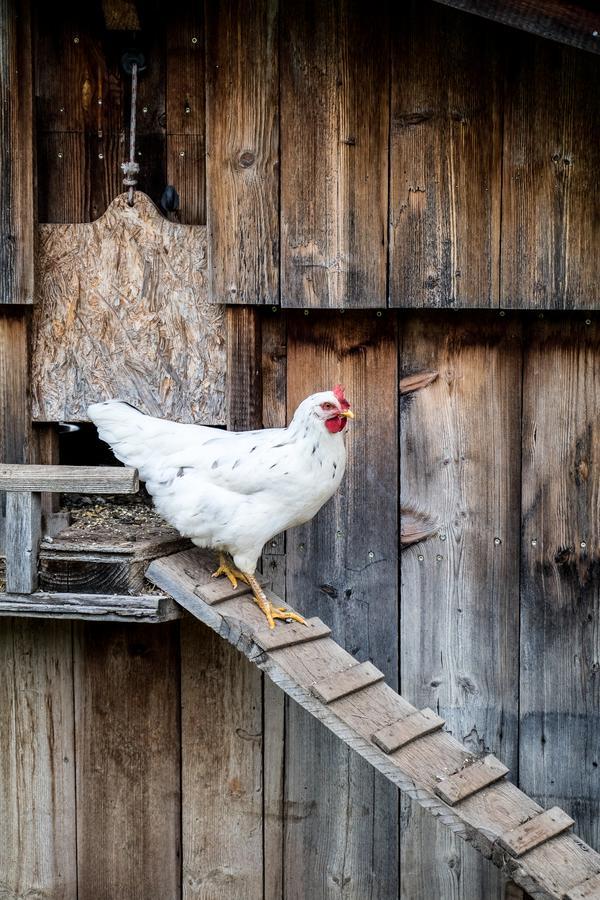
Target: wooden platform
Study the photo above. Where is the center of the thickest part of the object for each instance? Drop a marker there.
(487, 810)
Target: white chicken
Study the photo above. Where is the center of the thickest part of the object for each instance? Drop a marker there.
(234, 491)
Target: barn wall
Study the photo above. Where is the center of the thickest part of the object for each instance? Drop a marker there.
(159, 742)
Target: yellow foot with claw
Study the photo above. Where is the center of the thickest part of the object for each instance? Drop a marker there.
(277, 612)
(229, 571)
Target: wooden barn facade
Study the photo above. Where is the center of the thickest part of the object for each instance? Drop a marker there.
(366, 191)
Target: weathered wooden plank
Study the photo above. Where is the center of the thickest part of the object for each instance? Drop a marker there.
(585, 890)
(295, 633)
(560, 591)
(22, 540)
(546, 871)
(334, 151)
(128, 761)
(570, 23)
(400, 733)
(445, 159)
(37, 761)
(17, 221)
(342, 566)
(243, 387)
(476, 775)
(242, 150)
(120, 15)
(97, 607)
(550, 196)
(186, 161)
(460, 461)
(69, 479)
(185, 100)
(340, 684)
(530, 834)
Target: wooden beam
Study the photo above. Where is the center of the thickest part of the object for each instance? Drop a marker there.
(69, 479)
(567, 23)
(585, 890)
(93, 607)
(22, 541)
(546, 871)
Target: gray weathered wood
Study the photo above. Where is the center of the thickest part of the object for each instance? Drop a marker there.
(95, 607)
(533, 832)
(400, 733)
(585, 890)
(69, 479)
(22, 540)
(546, 871)
(340, 684)
(476, 775)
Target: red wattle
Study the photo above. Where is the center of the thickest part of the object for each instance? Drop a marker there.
(335, 424)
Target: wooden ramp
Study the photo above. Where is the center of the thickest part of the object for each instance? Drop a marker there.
(470, 796)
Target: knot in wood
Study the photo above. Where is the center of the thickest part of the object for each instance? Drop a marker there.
(246, 159)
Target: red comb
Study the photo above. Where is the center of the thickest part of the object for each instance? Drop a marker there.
(339, 394)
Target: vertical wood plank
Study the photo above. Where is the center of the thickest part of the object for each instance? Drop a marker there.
(551, 197)
(560, 596)
(16, 160)
(244, 382)
(128, 761)
(334, 151)
(460, 461)
(341, 836)
(37, 761)
(22, 535)
(242, 150)
(445, 158)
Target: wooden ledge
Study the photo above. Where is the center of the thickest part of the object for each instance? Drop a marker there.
(585, 890)
(346, 682)
(69, 479)
(470, 779)
(535, 831)
(404, 731)
(94, 607)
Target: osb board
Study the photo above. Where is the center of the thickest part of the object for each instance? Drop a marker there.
(123, 312)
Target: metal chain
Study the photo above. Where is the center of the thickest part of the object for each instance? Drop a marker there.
(131, 168)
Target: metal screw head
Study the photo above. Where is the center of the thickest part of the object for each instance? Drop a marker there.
(139, 153)
(274, 308)
(420, 557)
(588, 321)
(273, 543)
(101, 156)
(76, 39)
(540, 315)
(62, 109)
(371, 555)
(99, 101)
(301, 547)
(534, 542)
(379, 314)
(188, 110)
(501, 313)
(439, 557)
(497, 541)
(594, 34)
(583, 545)
(442, 537)
(182, 152)
(339, 532)
(60, 156)
(194, 40)
(144, 109)
(306, 311)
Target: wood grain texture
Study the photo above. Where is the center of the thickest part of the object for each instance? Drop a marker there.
(546, 871)
(473, 777)
(94, 607)
(400, 733)
(242, 150)
(22, 540)
(123, 312)
(342, 566)
(17, 224)
(445, 159)
(586, 890)
(340, 684)
(128, 772)
(560, 595)
(460, 460)
(37, 761)
(334, 151)
(243, 389)
(69, 479)
(533, 832)
(551, 197)
(570, 23)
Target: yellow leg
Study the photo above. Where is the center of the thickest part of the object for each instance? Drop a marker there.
(270, 611)
(230, 571)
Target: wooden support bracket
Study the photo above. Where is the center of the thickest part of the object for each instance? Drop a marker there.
(406, 730)
(585, 890)
(470, 779)
(346, 682)
(535, 831)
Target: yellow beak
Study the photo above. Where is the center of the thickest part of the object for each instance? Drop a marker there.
(348, 414)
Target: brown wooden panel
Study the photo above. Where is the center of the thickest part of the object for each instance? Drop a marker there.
(185, 68)
(551, 196)
(37, 761)
(445, 158)
(128, 761)
(16, 159)
(334, 152)
(242, 150)
(460, 462)
(560, 595)
(342, 566)
(186, 163)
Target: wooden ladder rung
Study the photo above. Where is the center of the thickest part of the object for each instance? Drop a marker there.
(348, 681)
(219, 590)
(290, 633)
(470, 779)
(404, 731)
(535, 831)
(585, 890)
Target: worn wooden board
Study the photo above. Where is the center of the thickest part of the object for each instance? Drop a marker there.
(533, 832)
(128, 769)
(551, 197)
(93, 607)
(123, 312)
(22, 541)
(445, 159)
(460, 460)
(243, 150)
(69, 479)
(402, 732)
(586, 890)
(340, 684)
(37, 761)
(470, 778)
(560, 592)
(334, 151)
(342, 566)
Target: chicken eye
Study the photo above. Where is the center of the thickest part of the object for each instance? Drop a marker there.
(327, 406)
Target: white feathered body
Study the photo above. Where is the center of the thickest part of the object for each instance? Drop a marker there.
(229, 491)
